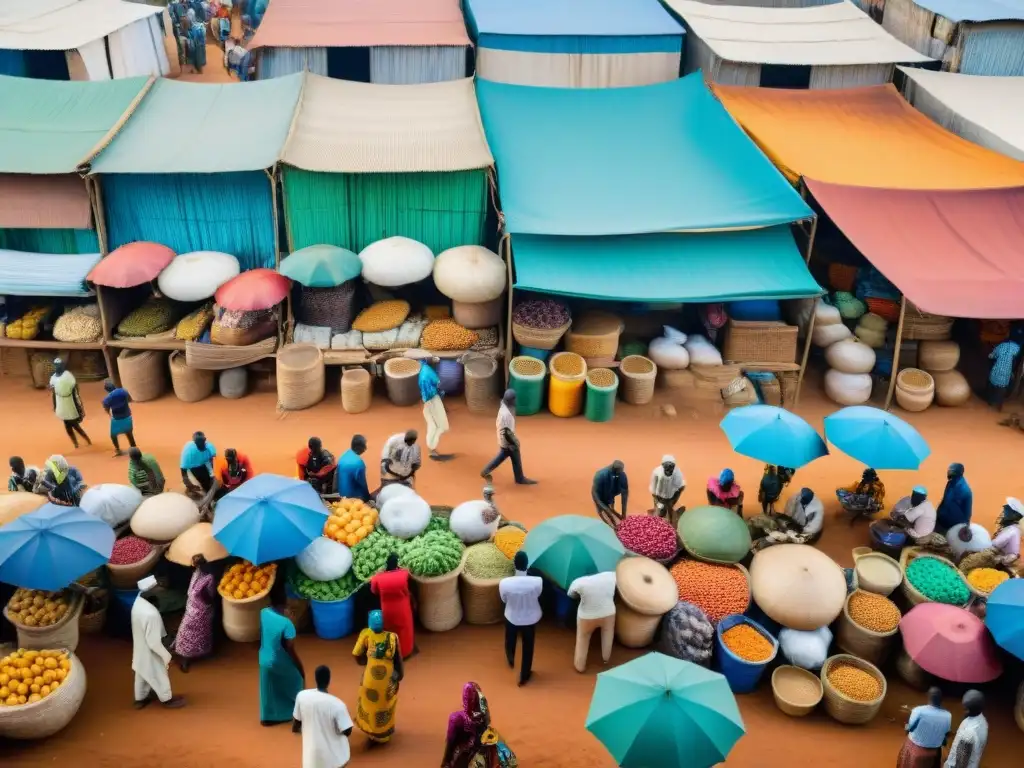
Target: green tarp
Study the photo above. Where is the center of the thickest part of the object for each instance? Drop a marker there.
(665, 267)
(64, 241)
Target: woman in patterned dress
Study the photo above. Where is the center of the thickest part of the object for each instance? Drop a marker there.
(195, 635)
(380, 652)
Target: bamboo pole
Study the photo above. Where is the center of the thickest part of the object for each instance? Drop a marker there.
(506, 244)
(896, 353)
(810, 240)
(806, 356)
(281, 316)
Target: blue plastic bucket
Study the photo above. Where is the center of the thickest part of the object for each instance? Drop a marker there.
(335, 619)
(565, 606)
(539, 354)
(126, 598)
(743, 676)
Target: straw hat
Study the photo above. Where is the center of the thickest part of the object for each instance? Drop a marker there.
(197, 540)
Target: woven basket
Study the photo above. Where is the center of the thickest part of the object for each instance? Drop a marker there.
(844, 709)
(566, 361)
(924, 326)
(908, 556)
(241, 618)
(356, 390)
(486, 314)
(911, 672)
(638, 375)
(760, 342)
(873, 582)
(401, 376)
(797, 692)
(48, 716)
(595, 334)
(481, 383)
(440, 607)
(300, 376)
(87, 364)
(63, 634)
(190, 384)
(915, 389)
(93, 623)
(143, 373)
(481, 601)
(539, 338)
(14, 362)
(938, 355)
(129, 576)
(41, 367)
(243, 337)
(860, 641)
(330, 307)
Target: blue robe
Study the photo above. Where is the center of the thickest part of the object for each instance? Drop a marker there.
(956, 505)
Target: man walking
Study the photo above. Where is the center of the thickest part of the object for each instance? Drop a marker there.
(596, 594)
(150, 658)
(508, 441)
(610, 482)
(434, 413)
(521, 595)
(324, 723)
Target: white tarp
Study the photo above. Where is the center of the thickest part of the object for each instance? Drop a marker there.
(60, 25)
(986, 110)
(838, 34)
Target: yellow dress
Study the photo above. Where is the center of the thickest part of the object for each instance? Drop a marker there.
(378, 695)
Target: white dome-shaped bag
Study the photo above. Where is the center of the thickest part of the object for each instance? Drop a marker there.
(393, 491)
(847, 388)
(114, 504)
(470, 274)
(405, 517)
(396, 261)
(851, 356)
(165, 517)
(474, 521)
(197, 276)
(324, 560)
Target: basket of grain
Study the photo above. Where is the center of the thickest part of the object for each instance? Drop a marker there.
(62, 633)
(127, 575)
(42, 719)
(566, 385)
(483, 568)
(938, 355)
(481, 384)
(92, 623)
(638, 375)
(877, 572)
(440, 606)
(915, 389)
(190, 384)
(953, 584)
(854, 689)
(401, 376)
(911, 672)
(143, 373)
(356, 390)
(867, 626)
(300, 376)
(797, 692)
(594, 334)
(645, 591)
(241, 616)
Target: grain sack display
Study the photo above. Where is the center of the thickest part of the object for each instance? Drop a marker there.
(165, 516)
(718, 590)
(156, 315)
(649, 536)
(447, 336)
(381, 316)
(194, 324)
(540, 323)
(687, 634)
(196, 276)
(80, 325)
(26, 327)
(396, 261)
(470, 274)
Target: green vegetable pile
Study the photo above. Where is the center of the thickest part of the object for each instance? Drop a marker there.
(370, 555)
(324, 591)
(437, 524)
(433, 553)
(937, 581)
(486, 561)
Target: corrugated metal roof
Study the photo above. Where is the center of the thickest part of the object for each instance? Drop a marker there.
(60, 25)
(976, 10)
(575, 18)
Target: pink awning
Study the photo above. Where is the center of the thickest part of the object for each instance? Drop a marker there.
(44, 202)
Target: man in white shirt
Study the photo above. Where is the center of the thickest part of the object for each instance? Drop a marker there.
(972, 735)
(508, 441)
(400, 459)
(807, 512)
(596, 612)
(521, 595)
(667, 485)
(919, 515)
(325, 724)
(150, 658)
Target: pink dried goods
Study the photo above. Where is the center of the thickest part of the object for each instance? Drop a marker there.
(130, 550)
(649, 536)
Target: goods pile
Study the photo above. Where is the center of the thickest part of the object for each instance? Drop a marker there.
(155, 316)
(324, 559)
(986, 579)
(370, 555)
(244, 580)
(687, 634)
(30, 676)
(718, 590)
(79, 325)
(601, 377)
(382, 316)
(568, 365)
(853, 682)
(324, 591)
(404, 516)
(486, 561)
(509, 539)
(873, 612)
(937, 581)
(528, 366)
(747, 643)
(649, 536)
(474, 521)
(191, 327)
(447, 335)
(130, 550)
(36, 608)
(544, 314)
(26, 327)
(350, 521)
(431, 554)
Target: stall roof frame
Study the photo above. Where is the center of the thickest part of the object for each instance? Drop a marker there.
(62, 25)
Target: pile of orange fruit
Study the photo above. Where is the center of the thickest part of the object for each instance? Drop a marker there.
(30, 676)
(244, 580)
(350, 521)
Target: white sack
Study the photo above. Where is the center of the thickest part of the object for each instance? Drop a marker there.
(474, 521)
(668, 355)
(805, 649)
(405, 517)
(324, 560)
(702, 351)
(114, 504)
(396, 261)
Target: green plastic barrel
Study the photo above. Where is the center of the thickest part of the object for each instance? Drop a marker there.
(602, 384)
(526, 378)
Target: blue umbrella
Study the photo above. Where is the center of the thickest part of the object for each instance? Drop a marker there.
(51, 547)
(1004, 616)
(269, 518)
(876, 438)
(773, 435)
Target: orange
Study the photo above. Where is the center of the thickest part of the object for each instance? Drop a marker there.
(44, 691)
(351, 540)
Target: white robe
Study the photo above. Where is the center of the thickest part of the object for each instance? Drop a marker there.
(150, 658)
(324, 719)
(63, 387)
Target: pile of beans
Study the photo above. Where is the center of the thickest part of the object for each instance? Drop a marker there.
(873, 612)
(442, 335)
(648, 536)
(986, 579)
(637, 364)
(747, 643)
(527, 366)
(937, 581)
(486, 561)
(130, 550)
(541, 314)
(854, 682)
(568, 364)
(718, 590)
(382, 316)
(601, 377)
(509, 540)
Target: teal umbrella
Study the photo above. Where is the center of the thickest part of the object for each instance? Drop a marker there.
(321, 266)
(569, 546)
(659, 710)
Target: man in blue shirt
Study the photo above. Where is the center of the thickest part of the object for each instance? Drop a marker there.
(927, 731)
(351, 473)
(117, 405)
(609, 482)
(957, 503)
(197, 459)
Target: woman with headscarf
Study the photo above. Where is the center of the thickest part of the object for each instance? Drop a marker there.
(864, 497)
(667, 485)
(67, 402)
(379, 651)
(194, 639)
(724, 491)
(957, 502)
(471, 741)
(282, 675)
(62, 482)
(1005, 549)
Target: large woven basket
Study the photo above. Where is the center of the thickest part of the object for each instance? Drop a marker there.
(797, 692)
(911, 672)
(860, 641)
(241, 618)
(637, 377)
(486, 314)
(908, 556)
(48, 716)
(87, 364)
(356, 390)
(440, 606)
(301, 376)
(843, 708)
(595, 334)
(93, 623)
(41, 367)
(915, 389)
(63, 634)
(938, 355)
(878, 572)
(143, 373)
(265, 328)
(539, 338)
(760, 342)
(190, 384)
(567, 366)
(401, 376)
(481, 601)
(924, 326)
(481, 383)
(129, 576)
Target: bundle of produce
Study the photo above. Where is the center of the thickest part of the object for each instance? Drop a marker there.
(509, 539)
(194, 324)
(747, 643)
(849, 306)
(405, 516)
(245, 581)
(381, 316)
(540, 323)
(649, 536)
(156, 315)
(130, 550)
(474, 521)
(28, 676)
(26, 327)
(937, 581)
(37, 607)
(485, 561)
(718, 590)
(873, 612)
(871, 329)
(324, 560)
(447, 335)
(79, 325)
(350, 521)
(432, 554)
(986, 579)
(370, 555)
(324, 591)
(687, 634)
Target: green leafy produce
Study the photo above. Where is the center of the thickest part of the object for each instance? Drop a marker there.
(325, 591)
(437, 524)
(937, 581)
(433, 553)
(370, 555)
(486, 561)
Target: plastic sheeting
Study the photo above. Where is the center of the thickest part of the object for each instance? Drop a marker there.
(44, 274)
(57, 202)
(280, 62)
(571, 70)
(138, 49)
(409, 64)
(60, 241)
(568, 19)
(954, 253)
(976, 10)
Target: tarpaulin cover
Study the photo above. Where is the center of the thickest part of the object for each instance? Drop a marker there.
(620, 161)
(666, 267)
(572, 18)
(45, 274)
(868, 137)
(954, 253)
(231, 127)
(48, 202)
(61, 25)
(360, 23)
(975, 10)
(47, 126)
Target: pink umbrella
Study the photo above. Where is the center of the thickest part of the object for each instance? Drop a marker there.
(951, 643)
(252, 290)
(130, 265)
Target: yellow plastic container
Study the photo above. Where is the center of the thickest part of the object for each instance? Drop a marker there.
(565, 397)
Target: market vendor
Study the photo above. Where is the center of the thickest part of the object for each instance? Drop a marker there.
(317, 466)
(917, 515)
(63, 483)
(1005, 549)
(724, 491)
(434, 413)
(351, 474)
(197, 460)
(610, 482)
(773, 481)
(400, 459)
(144, 473)
(117, 404)
(392, 587)
(22, 478)
(807, 513)
(233, 471)
(866, 496)
(667, 485)
(957, 500)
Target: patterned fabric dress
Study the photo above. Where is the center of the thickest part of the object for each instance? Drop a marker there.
(195, 635)
(378, 695)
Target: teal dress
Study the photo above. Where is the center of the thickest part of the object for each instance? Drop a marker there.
(280, 681)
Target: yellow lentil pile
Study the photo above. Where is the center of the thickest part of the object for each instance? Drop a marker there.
(191, 327)
(382, 316)
(873, 612)
(637, 364)
(854, 682)
(568, 364)
(509, 540)
(747, 643)
(601, 377)
(986, 579)
(446, 334)
(527, 366)
(437, 312)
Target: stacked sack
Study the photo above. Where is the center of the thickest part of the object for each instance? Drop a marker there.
(669, 351)
(26, 327)
(940, 358)
(871, 329)
(79, 325)
(848, 379)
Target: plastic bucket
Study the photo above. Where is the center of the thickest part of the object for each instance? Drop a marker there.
(539, 354)
(450, 372)
(600, 402)
(529, 390)
(335, 619)
(126, 599)
(742, 676)
(565, 397)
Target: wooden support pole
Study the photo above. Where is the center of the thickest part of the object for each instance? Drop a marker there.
(810, 240)
(896, 353)
(806, 356)
(506, 245)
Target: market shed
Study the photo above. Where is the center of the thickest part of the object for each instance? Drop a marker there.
(385, 41)
(365, 162)
(575, 43)
(81, 39)
(826, 46)
(986, 110)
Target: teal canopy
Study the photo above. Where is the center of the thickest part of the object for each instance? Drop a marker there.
(566, 547)
(721, 266)
(621, 161)
(321, 266)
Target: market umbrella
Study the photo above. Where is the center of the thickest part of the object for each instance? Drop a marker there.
(876, 438)
(322, 266)
(51, 547)
(569, 546)
(773, 435)
(131, 265)
(197, 540)
(1004, 616)
(253, 290)
(269, 517)
(659, 710)
(951, 643)
(14, 505)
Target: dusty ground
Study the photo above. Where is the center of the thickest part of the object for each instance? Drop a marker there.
(544, 722)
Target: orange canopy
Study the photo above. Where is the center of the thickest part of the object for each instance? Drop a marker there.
(866, 137)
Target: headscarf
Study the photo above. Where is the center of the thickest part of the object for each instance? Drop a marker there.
(806, 496)
(1013, 512)
(466, 727)
(58, 465)
(726, 476)
(376, 621)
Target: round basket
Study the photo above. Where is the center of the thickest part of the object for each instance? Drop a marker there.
(914, 597)
(190, 384)
(143, 373)
(300, 376)
(233, 383)
(356, 390)
(440, 608)
(526, 378)
(841, 707)
(48, 716)
(481, 383)
(567, 366)
(951, 389)
(128, 576)
(539, 338)
(938, 355)
(486, 314)
(401, 375)
(911, 672)
(632, 628)
(637, 374)
(797, 692)
(915, 389)
(481, 601)
(860, 641)
(595, 334)
(877, 572)
(41, 367)
(241, 618)
(93, 623)
(63, 634)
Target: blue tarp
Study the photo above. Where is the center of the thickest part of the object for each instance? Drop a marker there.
(620, 161)
(975, 10)
(45, 274)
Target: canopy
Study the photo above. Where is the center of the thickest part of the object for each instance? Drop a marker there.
(986, 110)
(666, 267)
(868, 137)
(45, 202)
(45, 274)
(569, 18)
(357, 23)
(50, 127)
(232, 127)
(953, 253)
(60, 25)
(619, 161)
(349, 127)
(976, 10)
(833, 34)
